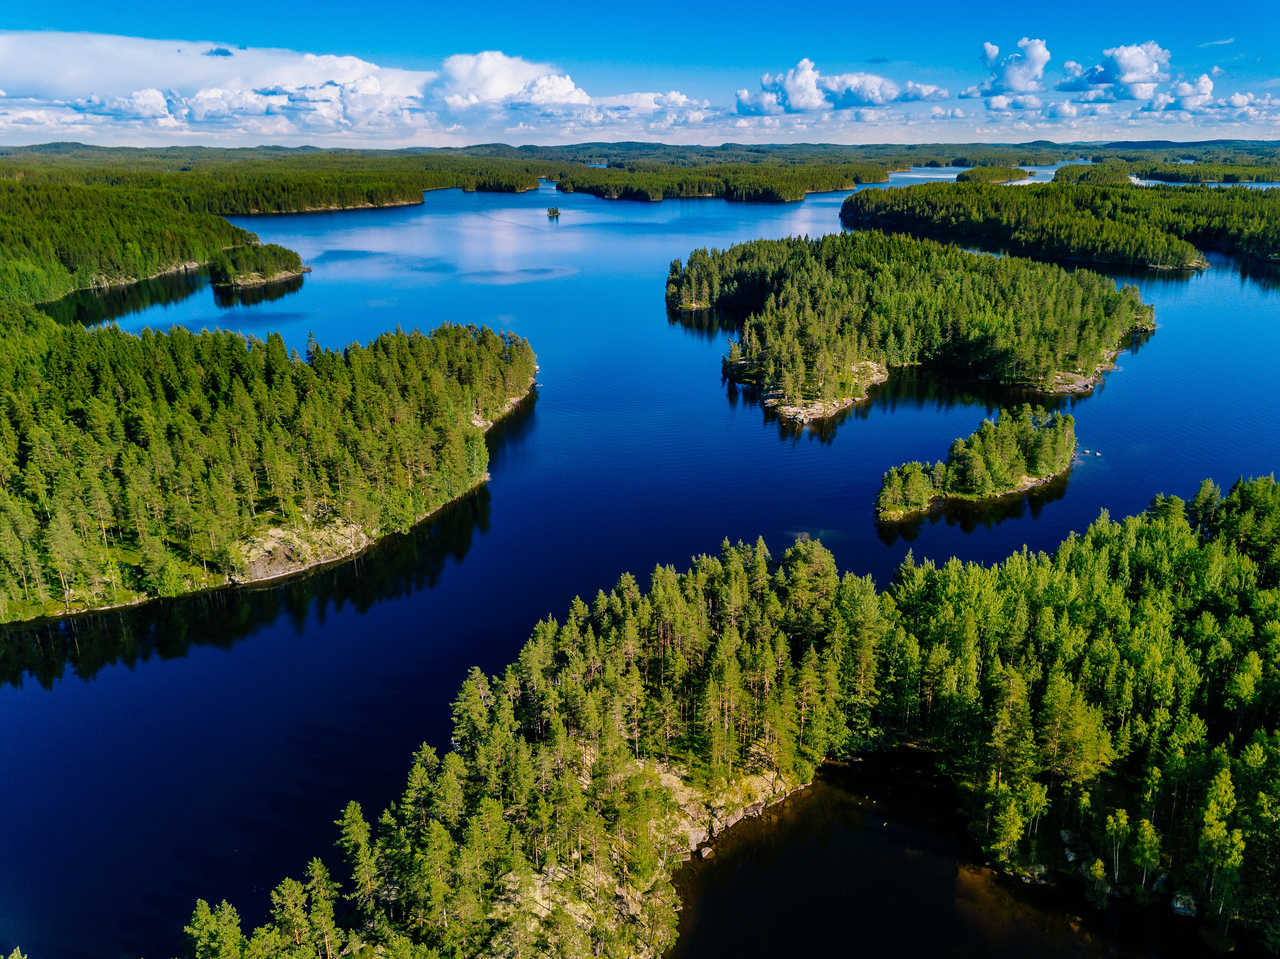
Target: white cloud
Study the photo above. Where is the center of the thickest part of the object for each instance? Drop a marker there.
(1020, 72)
(1126, 72)
(1194, 95)
(492, 78)
(804, 89)
(112, 89)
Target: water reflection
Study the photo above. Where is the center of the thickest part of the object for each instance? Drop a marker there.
(880, 839)
(90, 307)
(167, 629)
(229, 297)
(969, 516)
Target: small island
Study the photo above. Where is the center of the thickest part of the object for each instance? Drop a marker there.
(553, 213)
(1021, 450)
(992, 174)
(255, 264)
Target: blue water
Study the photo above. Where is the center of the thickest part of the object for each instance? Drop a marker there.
(204, 747)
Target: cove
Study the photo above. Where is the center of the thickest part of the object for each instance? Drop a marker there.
(203, 747)
(875, 852)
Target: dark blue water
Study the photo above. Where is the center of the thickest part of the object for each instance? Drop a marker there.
(203, 747)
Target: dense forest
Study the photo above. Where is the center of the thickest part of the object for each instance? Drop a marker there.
(820, 314)
(151, 465)
(768, 183)
(1118, 173)
(1209, 172)
(1021, 448)
(55, 238)
(1110, 704)
(1136, 226)
(267, 179)
(1106, 173)
(253, 263)
(991, 174)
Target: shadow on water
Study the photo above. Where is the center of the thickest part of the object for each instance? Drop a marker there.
(167, 629)
(880, 843)
(228, 297)
(90, 307)
(969, 516)
(709, 325)
(396, 566)
(910, 387)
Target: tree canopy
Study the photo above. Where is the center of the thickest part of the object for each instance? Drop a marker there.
(816, 311)
(1162, 227)
(1023, 446)
(1123, 689)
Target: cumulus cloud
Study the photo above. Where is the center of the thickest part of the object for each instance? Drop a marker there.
(492, 78)
(804, 89)
(1126, 72)
(1020, 72)
(135, 90)
(139, 89)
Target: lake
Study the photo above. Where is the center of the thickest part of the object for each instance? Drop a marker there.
(203, 747)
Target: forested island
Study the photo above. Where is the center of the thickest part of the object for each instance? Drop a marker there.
(991, 174)
(254, 264)
(823, 319)
(1106, 706)
(1022, 449)
(1151, 227)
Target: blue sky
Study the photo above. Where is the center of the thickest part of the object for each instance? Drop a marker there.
(433, 73)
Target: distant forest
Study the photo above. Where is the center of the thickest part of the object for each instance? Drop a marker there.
(1161, 227)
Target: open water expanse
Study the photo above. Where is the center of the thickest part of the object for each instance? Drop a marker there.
(203, 747)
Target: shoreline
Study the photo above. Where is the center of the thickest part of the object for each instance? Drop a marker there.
(275, 537)
(252, 280)
(817, 410)
(1063, 383)
(940, 501)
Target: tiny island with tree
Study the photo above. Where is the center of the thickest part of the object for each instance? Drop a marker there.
(1020, 450)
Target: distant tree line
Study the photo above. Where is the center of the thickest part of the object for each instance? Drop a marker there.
(774, 183)
(816, 310)
(1000, 457)
(1146, 227)
(1121, 692)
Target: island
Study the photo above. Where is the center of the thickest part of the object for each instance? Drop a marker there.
(255, 264)
(1022, 449)
(992, 174)
(821, 321)
(1102, 710)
